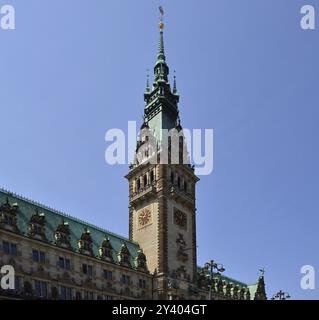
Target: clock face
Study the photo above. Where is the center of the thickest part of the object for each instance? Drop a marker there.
(180, 218)
(144, 217)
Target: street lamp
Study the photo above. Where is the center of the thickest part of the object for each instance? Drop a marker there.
(213, 268)
(281, 295)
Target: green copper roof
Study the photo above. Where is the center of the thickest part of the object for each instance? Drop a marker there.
(224, 278)
(251, 287)
(53, 218)
(231, 280)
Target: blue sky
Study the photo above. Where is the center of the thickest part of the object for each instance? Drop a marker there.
(74, 69)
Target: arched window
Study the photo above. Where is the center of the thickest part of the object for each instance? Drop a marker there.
(145, 180)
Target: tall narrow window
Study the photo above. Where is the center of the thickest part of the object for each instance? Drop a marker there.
(181, 149)
(108, 275)
(64, 263)
(14, 251)
(152, 176)
(41, 289)
(169, 149)
(17, 283)
(38, 256)
(87, 269)
(66, 293)
(172, 178)
(6, 247)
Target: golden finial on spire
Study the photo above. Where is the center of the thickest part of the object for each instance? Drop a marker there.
(161, 24)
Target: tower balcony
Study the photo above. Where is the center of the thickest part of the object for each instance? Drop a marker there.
(143, 194)
(181, 195)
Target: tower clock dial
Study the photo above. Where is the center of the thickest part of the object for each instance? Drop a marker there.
(180, 218)
(144, 217)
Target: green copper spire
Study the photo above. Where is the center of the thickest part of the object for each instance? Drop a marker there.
(161, 102)
(161, 69)
(161, 51)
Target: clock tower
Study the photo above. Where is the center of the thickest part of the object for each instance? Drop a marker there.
(162, 210)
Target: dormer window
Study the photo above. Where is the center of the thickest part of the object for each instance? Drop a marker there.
(85, 243)
(235, 292)
(8, 216)
(242, 294)
(106, 250)
(62, 235)
(124, 256)
(228, 290)
(37, 226)
(141, 261)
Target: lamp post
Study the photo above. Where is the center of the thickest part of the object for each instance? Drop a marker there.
(281, 295)
(213, 268)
